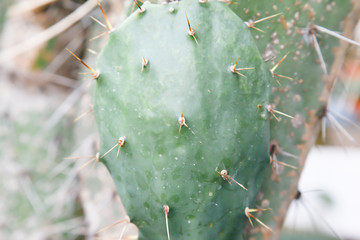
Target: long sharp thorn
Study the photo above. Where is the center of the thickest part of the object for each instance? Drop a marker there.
(98, 36)
(166, 212)
(100, 23)
(277, 80)
(263, 224)
(96, 160)
(195, 40)
(275, 116)
(108, 151)
(92, 51)
(117, 155)
(344, 119)
(286, 165)
(282, 76)
(235, 64)
(240, 74)
(337, 35)
(289, 155)
(192, 31)
(281, 113)
(196, 27)
(109, 26)
(252, 23)
(120, 143)
(140, 9)
(318, 52)
(90, 68)
(266, 18)
(250, 219)
(258, 29)
(259, 210)
(228, 181)
(340, 128)
(235, 70)
(238, 183)
(188, 22)
(239, 69)
(93, 158)
(84, 73)
(85, 164)
(339, 136)
(83, 115)
(279, 62)
(226, 177)
(93, 166)
(248, 214)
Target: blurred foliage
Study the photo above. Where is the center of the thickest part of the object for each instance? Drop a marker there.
(4, 4)
(45, 55)
(30, 189)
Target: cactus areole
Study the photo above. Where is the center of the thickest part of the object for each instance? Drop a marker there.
(180, 84)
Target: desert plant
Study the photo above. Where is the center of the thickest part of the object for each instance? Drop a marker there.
(195, 128)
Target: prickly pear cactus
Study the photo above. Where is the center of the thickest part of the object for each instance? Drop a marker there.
(185, 114)
(313, 62)
(183, 101)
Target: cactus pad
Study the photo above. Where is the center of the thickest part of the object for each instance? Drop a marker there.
(151, 72)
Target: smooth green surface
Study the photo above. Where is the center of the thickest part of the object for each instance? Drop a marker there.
(158, 165)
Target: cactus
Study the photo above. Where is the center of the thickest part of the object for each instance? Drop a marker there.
(187, 111)
(306, 97)
(190, 79)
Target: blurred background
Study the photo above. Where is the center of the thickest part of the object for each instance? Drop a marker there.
(45, 196)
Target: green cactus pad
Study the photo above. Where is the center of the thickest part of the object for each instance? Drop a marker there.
(301, 97)
(158, 164)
